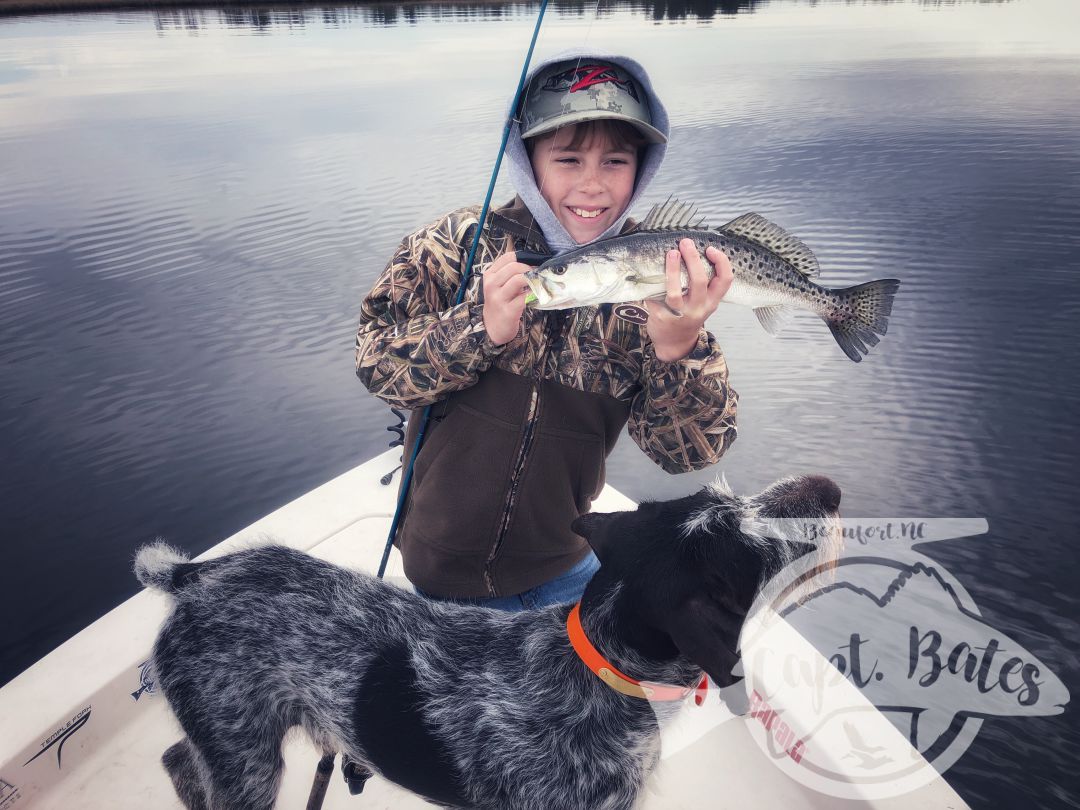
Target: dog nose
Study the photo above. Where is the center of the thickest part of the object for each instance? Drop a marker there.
(826, 491)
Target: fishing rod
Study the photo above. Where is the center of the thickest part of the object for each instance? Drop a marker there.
(356, 776)
(422, 429)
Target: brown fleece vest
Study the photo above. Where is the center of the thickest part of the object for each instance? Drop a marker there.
(506, 466)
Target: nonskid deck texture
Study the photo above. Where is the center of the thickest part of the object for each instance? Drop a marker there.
(84, 728)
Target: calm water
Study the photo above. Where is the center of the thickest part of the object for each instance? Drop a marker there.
(193, 203)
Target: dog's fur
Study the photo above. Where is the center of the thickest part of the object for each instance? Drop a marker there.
(466, 706)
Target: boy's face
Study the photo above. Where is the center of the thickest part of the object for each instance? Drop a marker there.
(588, 187)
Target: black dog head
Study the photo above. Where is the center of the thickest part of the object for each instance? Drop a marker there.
(686, 571)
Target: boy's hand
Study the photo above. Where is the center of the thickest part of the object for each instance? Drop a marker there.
(504, 297)
(673, 336)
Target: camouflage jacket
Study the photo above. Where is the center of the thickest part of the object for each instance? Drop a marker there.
(414, 347)
(515, 448)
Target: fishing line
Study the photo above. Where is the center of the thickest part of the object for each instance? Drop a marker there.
(551, 148)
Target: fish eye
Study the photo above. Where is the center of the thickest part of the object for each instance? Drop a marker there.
(559, 270)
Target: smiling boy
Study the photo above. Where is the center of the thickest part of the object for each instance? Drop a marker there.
(586, 174)
(528, 404)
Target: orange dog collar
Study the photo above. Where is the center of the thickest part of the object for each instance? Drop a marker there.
(621, 683)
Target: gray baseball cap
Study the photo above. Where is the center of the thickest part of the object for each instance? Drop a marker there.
(585, 90)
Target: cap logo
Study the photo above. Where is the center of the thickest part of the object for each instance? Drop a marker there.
(584, 76)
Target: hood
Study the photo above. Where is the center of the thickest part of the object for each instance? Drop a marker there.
(520, 170)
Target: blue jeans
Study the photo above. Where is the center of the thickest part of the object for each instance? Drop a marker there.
(564, 589)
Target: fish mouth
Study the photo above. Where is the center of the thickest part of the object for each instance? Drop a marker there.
(542, 291)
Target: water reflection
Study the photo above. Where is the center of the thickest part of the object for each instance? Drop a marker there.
(265, 19)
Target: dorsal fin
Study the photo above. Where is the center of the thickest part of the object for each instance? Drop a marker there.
(768, 234)
(673, 215)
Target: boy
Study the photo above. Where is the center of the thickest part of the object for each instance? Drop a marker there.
(528, 404)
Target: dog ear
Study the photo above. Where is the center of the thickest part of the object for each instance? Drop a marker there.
(591, 527)
(708, 635)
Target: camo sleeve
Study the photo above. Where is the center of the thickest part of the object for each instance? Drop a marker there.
(414, 347)
(684, 415)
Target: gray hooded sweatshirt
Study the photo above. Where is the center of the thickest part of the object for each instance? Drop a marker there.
(520, 168)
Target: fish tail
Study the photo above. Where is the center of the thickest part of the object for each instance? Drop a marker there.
(864, 316)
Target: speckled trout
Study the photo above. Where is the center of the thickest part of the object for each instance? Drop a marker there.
(773, 275)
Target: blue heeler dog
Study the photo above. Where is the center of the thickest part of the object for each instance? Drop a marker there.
(467, 706)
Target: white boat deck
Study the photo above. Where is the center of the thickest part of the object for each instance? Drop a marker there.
(78, 730)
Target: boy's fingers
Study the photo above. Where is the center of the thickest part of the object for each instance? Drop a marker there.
(492, 270)
(695, 270)
(514, 287)
(523, 288)
(515, 273)
(656, 307)
(673, 282)
(720, 262)
(507, 258)
(499, 276)
(503, 261)
(718, 288)
(496, 274)
(723, 274)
